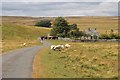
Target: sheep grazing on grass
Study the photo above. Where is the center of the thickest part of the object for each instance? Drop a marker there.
(57, 47)
(60, 47)
(67, 46)
(23, 44)
(52, 46)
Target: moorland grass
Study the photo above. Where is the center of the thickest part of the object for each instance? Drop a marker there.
(13, 36)
(82, 60)
(103, 24)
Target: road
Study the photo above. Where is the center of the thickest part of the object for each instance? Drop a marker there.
(18, 63)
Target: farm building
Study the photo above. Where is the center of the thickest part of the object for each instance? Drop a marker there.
(93, 34)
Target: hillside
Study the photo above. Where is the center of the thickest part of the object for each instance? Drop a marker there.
(13, 32)
(22, 30)
(13, 35)
(103, 24)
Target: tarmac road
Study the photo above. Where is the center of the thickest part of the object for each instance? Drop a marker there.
(18, 63)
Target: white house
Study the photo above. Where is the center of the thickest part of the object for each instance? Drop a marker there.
(93, 33)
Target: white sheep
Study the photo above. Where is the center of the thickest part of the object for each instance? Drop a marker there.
(67, 46)
(62, 46)
(24, 44)
(52, 46)
(57, 47)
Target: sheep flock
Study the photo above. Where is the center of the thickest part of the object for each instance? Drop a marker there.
(60, 47)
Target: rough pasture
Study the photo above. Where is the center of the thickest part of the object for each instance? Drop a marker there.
(81, 60)
(103, 24)
(13, 36)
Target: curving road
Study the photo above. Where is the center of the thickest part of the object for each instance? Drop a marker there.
(18, 63)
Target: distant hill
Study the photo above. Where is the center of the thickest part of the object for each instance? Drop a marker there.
(12, 32)
(103, 24)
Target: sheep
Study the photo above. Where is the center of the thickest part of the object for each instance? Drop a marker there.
(57, 47)
(62, 46)
(52, 46)
(67, 46)
(24, 44)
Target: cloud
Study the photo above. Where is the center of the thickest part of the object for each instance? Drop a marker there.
(26, 1)
(60, 8)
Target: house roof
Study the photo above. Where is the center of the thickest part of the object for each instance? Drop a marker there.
(92, 32)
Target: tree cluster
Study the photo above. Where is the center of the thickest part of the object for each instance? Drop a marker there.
(63, 29)
(109, 36)
(44, 23)
(112, 35)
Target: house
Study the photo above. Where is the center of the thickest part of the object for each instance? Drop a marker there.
(92, 33)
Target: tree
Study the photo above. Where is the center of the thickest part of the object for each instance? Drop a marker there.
(112, 36)
(75, 33)
(60, 21)
(62, 29)
(73, 26)
(43, 23)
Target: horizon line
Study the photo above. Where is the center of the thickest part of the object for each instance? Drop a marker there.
(52, 16)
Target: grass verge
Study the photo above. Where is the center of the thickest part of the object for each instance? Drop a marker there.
(82, 60)
(10, 45)
(38, 68)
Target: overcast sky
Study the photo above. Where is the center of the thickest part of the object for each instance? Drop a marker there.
(60, 0)
(36, 8)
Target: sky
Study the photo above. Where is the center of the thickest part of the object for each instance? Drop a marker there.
(60, 0)
(51, 8)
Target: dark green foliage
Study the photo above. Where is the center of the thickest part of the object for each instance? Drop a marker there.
(104, 36)
(62, 29)
(117, 37)
(110, 36)
(60, 21)
(75, 33)
(73, 26)
(43, 23)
